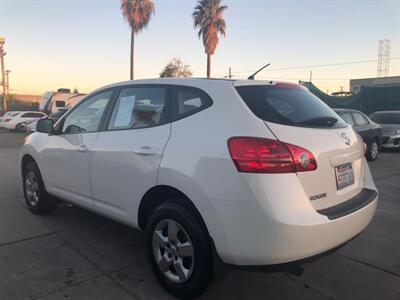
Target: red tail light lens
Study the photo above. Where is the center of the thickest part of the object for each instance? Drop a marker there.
(7, 120)
(259, 155)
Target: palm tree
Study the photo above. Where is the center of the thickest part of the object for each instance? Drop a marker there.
(138, 14)
(208, 18)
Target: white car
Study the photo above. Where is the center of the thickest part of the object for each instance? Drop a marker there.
(17, 121)
(8, 115)
(243, 172)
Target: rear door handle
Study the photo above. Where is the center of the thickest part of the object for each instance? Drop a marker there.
(145, 150)
(82, 149)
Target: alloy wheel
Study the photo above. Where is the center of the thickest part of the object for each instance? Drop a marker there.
(173, 251)
(32, 188)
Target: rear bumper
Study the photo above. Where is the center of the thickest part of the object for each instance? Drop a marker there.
(276, 226)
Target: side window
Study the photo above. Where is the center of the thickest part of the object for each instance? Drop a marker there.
(27, 115)
(359, 119)
(347, 118)
(139, 107)
(190, 101)
(87, 116)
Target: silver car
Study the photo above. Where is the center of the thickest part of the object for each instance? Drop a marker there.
(390, 122)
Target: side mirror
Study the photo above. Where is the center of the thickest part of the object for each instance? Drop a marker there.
(45, 126)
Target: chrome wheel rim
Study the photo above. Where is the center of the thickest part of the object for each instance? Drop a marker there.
(374, 150)
(173, 251)
(32, 189)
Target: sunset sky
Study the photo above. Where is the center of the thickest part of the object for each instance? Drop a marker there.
(85, 44)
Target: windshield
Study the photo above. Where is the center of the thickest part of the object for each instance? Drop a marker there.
(289, 104)
(386, 118)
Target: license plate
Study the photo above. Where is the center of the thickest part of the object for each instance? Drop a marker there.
(344, 176)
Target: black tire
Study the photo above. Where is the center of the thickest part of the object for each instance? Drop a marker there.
(39, 202)
(201, 273)
(372, 151)
(19, 128)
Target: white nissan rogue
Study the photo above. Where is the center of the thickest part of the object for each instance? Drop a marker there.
(244, 172)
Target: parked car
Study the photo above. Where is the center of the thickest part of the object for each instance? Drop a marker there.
(390, 122)
(16, 122)
(30, 126)
(364, 126)
(8, 115)
(215, 172)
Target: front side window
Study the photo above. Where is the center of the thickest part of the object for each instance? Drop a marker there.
(289, 104)
(87, 116)
(139, 107)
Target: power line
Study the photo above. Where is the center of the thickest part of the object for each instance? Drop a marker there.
(316, 66)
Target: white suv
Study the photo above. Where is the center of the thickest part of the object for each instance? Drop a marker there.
(245, 172)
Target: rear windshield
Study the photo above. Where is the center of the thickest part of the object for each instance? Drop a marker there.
(289, 104)
(387, 118)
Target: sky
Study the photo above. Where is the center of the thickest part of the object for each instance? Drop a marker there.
(86, 43)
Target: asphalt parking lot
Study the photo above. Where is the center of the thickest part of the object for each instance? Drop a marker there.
(76, 254)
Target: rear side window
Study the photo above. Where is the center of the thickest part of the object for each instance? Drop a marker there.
(139, 107)
(188, 101)
(289, 104)
(347, 118)
(359, 119)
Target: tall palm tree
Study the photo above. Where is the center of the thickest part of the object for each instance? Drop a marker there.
(208, 17)
(138, 14)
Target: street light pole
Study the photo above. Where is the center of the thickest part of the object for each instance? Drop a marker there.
(3, 80)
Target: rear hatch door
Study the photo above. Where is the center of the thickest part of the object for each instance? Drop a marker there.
(296, 116)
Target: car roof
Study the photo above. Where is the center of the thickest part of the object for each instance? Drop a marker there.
(193, 81)
(382, 112)
(346, 110)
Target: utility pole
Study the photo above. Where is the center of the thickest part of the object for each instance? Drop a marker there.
(8, 84)
(311, 76)
(3, 80)
(230, 73)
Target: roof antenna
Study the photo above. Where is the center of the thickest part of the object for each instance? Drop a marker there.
(251, 77)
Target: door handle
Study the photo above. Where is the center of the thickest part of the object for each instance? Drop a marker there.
(145, 150)
(82, 149)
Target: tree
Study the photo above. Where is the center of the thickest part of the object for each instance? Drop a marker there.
(208, 17)
(176, 68)
(138, 14)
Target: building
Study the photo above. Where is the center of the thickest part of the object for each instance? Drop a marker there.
(356, 84)
(27, 98)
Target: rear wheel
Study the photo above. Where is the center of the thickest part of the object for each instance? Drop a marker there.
(373, 151)
(179, 251)
(36, 197)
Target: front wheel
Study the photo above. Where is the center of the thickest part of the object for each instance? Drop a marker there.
(36, 197)
(178, 248)
(373, 151)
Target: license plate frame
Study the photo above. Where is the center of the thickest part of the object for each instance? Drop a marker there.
(344, 176)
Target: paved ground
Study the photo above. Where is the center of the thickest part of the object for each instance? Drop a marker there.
(75, 254)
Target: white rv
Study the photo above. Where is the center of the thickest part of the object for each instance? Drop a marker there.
(63, 98)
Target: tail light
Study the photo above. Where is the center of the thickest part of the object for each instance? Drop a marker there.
(259, 155)
(7, 120)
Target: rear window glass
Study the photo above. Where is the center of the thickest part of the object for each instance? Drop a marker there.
(289, 104)
(387, 118)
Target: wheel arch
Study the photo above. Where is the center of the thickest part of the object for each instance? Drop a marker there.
(164, 193)
(26, 158)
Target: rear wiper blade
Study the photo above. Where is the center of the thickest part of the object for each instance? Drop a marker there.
(320, 121)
